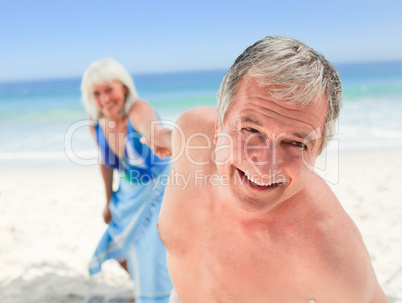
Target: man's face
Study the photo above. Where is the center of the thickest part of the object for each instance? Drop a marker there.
(264, 147)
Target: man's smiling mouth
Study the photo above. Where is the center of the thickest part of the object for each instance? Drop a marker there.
(254, 182)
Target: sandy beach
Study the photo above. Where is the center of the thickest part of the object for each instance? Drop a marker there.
(50, 223)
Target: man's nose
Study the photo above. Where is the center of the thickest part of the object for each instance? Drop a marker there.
(266, 158)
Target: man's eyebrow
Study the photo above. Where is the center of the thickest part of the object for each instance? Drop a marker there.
(299, 135)
(309, 138)
(248, 119)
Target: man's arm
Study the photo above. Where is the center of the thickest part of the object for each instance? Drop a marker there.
(350, 277)
(181, 188)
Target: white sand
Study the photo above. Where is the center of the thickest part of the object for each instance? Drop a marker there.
(50, 223)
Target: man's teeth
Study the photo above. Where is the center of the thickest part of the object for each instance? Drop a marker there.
(260, 184)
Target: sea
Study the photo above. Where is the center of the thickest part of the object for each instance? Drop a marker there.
(41, 120)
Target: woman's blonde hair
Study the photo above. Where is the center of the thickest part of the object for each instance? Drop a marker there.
(103, 71)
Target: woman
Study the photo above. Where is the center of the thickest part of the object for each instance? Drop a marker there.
(119, 120)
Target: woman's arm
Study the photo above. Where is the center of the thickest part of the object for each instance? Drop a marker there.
(145, 121)
(107, 175)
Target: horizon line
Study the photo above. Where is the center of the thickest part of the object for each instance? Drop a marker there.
(146, 73)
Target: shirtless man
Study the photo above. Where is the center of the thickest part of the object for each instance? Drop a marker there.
(254, 224)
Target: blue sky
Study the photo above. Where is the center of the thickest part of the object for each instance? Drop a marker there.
(47, 39)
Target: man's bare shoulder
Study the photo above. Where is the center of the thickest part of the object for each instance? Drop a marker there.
(333, 225)
(339, 254)
(193, 138)
(197, 119)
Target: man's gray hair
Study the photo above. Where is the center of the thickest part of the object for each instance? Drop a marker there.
(292, 72)
(104, 71)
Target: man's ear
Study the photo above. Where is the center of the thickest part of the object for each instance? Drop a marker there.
(216, 128)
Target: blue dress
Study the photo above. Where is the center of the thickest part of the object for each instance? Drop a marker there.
(132, 235)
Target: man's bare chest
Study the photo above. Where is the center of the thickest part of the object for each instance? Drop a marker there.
(244, 267)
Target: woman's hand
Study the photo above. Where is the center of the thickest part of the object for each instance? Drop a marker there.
(160, 142)
(107, 216)
(146, 122)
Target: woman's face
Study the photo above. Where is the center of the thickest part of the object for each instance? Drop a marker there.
(109, 98)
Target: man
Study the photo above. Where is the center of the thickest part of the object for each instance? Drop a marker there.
(252, 223)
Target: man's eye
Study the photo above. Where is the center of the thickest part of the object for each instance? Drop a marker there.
(299, 144)
(251, 130)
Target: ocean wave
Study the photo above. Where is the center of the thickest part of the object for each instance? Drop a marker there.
(43, 155)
